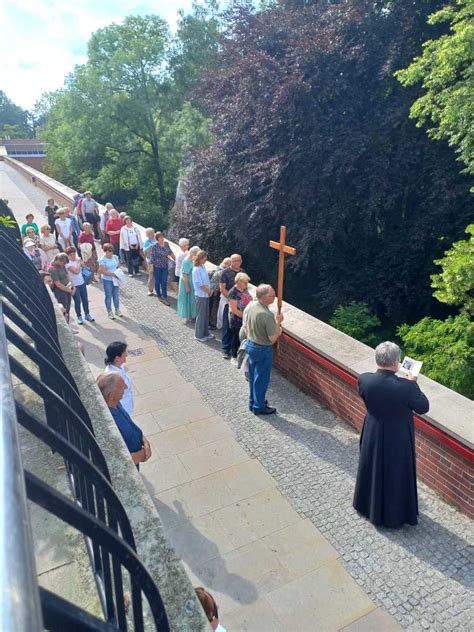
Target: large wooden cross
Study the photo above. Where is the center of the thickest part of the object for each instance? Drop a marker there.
(284, 250)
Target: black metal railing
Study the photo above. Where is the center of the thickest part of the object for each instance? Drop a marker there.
(54, 413)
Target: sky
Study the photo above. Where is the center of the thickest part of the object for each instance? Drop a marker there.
(42, 40)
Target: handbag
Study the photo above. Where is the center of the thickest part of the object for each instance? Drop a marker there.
(86, 275)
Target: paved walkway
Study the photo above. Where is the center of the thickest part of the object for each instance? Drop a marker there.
(260, 509)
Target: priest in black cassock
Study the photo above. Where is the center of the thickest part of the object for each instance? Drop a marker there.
(386, 490)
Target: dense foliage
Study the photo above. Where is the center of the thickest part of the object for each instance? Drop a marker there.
(356, 321)
(446, 349)
(311, 129)
(455, 284)
(14, 121)
(446, 71)
(122, 126)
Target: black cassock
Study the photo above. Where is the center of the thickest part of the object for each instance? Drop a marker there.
(386, 490)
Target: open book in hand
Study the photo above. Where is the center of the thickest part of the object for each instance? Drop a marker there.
(410, 366)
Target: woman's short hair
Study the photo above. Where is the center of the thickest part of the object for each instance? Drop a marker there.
(200, 257)
(50, 200)
(159, 235)
(29, 228)
(387, 354)
(62, 210)
(114, 351)
(107, 248)
(45, 227)
(193, 251)
(241, 276)
(86, 225)
(183, 242)
(149, 231)
(29, 215)
(70, 250)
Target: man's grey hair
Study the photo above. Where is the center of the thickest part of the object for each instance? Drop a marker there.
(107, 383)
(263, 290)
(183, 242)
(109, 206)
(387, 354)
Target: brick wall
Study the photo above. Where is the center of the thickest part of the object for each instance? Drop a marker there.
(443, 463)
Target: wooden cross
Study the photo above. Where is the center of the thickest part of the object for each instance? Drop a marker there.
(284, 250)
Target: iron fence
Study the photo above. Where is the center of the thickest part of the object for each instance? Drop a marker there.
(30, 351)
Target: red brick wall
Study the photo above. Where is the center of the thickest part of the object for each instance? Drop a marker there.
(443, 464)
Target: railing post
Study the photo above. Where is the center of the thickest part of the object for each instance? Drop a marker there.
(20, 608)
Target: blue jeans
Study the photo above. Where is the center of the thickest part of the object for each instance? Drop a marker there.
(161, 282)
(260, 368)
(226, 331)
(80, 296)
(112, 293)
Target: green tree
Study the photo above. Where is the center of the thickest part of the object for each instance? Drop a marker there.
(455, 284)
(445, 70)
(14, 121)
(311, 130)
(122, 125)
(446, 349)
(356, 321)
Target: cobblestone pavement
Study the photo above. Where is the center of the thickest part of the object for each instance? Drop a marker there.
(423, 576)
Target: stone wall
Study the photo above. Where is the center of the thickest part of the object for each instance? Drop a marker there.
(326, 363)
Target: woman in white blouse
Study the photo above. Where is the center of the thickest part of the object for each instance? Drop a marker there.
(115, 358)
(131, 244)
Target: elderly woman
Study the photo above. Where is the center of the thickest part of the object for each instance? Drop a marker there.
(202, 292)
(48, 243)
(131, 244)
(50, 212)
(65, 228)
(147, 244)
(89, 253)
(108, 266)
(31, 234)
(186, 307)
(386, 491)
(113, 227)
(34, 254)
(239, 297)
(160, 255)
(63, 287)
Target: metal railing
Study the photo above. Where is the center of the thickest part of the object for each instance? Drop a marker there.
(30, 351)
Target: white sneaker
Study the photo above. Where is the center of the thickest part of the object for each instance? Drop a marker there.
(111, 315)
(234, 362)
(200, 339)
(150, 293)
(210, 337)
(131, 276)
(118, 313)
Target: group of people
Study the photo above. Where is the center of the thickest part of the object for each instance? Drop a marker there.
(386, 489)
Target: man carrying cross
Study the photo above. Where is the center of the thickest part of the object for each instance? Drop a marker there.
(263, 328)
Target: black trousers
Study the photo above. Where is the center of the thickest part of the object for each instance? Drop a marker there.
(235, 344)
(133, 261)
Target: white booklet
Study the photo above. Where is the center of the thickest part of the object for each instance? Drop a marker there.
(411, 366)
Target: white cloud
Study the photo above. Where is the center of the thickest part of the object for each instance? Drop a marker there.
(42, 40)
